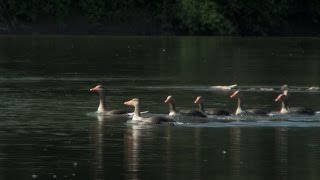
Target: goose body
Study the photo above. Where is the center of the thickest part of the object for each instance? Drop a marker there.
(212, 111)
(137, 118)
(173, 111)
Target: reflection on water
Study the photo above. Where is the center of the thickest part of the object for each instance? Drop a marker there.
(281, 153)
(48, 129)
(235, 151)
(132, 151)
(97, 139)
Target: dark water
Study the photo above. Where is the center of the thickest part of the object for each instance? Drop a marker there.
(48, 129)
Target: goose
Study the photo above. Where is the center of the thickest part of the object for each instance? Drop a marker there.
(173, 111)
(137, 118)
(212, 111)
(102, 105)
(240, 110)
(295, 110)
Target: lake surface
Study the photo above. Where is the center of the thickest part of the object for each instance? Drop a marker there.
(49, 129)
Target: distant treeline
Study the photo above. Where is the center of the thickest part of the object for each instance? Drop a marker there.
(195, 17)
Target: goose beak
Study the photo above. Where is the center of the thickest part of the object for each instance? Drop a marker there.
(197, 100)
(279, 97)
(95, 89)
(129, 103)
(167, 100)
(234, 94)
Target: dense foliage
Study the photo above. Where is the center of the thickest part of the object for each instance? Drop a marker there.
(217, 17)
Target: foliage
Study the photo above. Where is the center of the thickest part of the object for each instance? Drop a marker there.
(257, 17)
(213, 17)
(31, 10)
(94, 9)
(100, 10)
(204, 17)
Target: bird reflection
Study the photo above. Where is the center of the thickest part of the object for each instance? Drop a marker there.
(169, 156)
(96, 138)
(281, 152)
(197, 154)
(131, 136)
(235, 134)
(133, 146)
(98, 129)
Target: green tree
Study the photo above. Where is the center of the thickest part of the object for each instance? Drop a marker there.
(257, 17)
(31, 10)
(203, 17)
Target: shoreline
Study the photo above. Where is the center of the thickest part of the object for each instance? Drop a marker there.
(132, 29)
(149, 36)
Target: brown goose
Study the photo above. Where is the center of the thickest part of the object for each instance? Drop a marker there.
(102, 105)
(295, 110)
(212, 111)
(240, 110)
(172, 112)
(135, 102)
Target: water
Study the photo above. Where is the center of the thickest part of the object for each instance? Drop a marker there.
(48, 129)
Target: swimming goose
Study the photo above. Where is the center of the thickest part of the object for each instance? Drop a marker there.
(135, 102)
(173, 112)
(296, 110)
(212, 111)
(240, 110)
(102, 105)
